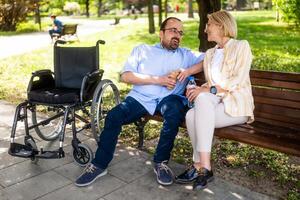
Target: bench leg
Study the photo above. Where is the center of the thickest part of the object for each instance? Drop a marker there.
(140, 125)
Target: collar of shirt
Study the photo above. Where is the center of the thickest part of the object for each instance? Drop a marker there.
(226, 45)
(160, 46)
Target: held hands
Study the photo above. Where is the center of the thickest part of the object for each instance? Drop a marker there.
(184, 73)
(170, 80)
(167, 81)
(192, 93)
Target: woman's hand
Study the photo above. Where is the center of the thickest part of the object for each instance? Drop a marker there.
(192, 93)
(184, 73)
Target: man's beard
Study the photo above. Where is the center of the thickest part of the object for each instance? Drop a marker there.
(172, 45)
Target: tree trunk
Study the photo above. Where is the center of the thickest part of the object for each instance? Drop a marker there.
(87, 3)
(159, 13)
(166, 8)
(99, 8)
(191, 12)
(151, 17)
(37, 16)
(205, 7)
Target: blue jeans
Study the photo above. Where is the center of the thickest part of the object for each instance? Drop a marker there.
(171, 108)
(54, 31)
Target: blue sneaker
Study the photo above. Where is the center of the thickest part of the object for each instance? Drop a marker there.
(164, 174)
(89, 175)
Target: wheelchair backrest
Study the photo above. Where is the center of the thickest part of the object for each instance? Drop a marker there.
(71, 64)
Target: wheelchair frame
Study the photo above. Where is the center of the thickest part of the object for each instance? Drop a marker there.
(82, 153)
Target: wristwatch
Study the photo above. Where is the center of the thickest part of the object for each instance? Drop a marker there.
(213, 90)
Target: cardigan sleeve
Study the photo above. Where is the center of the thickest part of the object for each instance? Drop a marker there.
(242, 67)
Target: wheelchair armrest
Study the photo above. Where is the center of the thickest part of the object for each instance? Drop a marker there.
(42, 72)
(41, 79)
(89, 84)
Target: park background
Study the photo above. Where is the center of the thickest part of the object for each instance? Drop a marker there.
(271, 27)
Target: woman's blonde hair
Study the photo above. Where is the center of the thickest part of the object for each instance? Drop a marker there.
(226, 20)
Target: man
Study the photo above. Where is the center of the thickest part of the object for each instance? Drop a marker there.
(57, 26)
(148, 68)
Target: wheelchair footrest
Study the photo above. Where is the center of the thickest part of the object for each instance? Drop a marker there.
(51, 154)
(21, 150)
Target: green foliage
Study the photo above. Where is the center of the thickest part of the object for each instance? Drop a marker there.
(13, 12)
(290, 10)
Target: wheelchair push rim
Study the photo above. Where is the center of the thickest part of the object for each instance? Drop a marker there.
(106, 96)
(51, 130)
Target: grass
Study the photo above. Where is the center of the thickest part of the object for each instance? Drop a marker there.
(275, 46)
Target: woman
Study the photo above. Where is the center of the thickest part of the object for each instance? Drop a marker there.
(224, 100)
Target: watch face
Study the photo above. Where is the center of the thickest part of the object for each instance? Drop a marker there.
(213, 90)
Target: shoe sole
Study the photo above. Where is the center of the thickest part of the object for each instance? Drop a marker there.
(184, 182)
(86, 184)
(162, 183)
(208, 181)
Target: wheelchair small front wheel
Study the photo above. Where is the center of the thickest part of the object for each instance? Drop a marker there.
(83, 155)
(106, 96)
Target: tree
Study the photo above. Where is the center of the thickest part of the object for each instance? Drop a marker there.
(159, 12)
(99, 8)
(205, 7)
(151, 17)
(13, 12)
(290, 10)
(87, 11)
(191, 11)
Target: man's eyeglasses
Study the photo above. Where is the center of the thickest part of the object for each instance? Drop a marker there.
(174, 30)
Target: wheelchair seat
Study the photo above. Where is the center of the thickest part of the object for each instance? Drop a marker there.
(55, 96)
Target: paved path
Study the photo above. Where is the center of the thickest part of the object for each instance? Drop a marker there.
(18, 44)
(130, 175)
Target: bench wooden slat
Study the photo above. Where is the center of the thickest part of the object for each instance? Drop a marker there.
(267, 130)
(276, 110)
(276, 102)
(284, 145)
(276, 93)
(275, 83)
(272, 75)
(279, 123)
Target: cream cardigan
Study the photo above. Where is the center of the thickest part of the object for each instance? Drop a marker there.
(235, 69)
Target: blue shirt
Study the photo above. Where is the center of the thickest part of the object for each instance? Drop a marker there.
(58, 24)
(158, 61)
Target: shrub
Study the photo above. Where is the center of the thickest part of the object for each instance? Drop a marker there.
(72, 8)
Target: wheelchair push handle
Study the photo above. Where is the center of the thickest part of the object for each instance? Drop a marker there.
(100, 42)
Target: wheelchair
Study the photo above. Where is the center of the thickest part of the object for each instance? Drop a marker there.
(74, 94)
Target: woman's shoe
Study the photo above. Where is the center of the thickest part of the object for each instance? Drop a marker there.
(204, 176)
(188, 176)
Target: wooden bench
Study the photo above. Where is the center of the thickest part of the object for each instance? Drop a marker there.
(69, 33)
(277, 114)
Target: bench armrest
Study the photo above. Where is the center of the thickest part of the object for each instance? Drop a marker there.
(89, 84)
(41, 79)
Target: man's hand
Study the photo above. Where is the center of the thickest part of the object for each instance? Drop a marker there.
(192, 93)
(167, 81)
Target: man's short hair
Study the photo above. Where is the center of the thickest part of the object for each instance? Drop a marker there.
(164, 23)
(53, 16)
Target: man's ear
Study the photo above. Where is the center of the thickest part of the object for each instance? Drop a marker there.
(161, 33)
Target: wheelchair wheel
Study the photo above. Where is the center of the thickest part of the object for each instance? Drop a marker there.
(106, 96)
(83, 156)
(51, 130)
